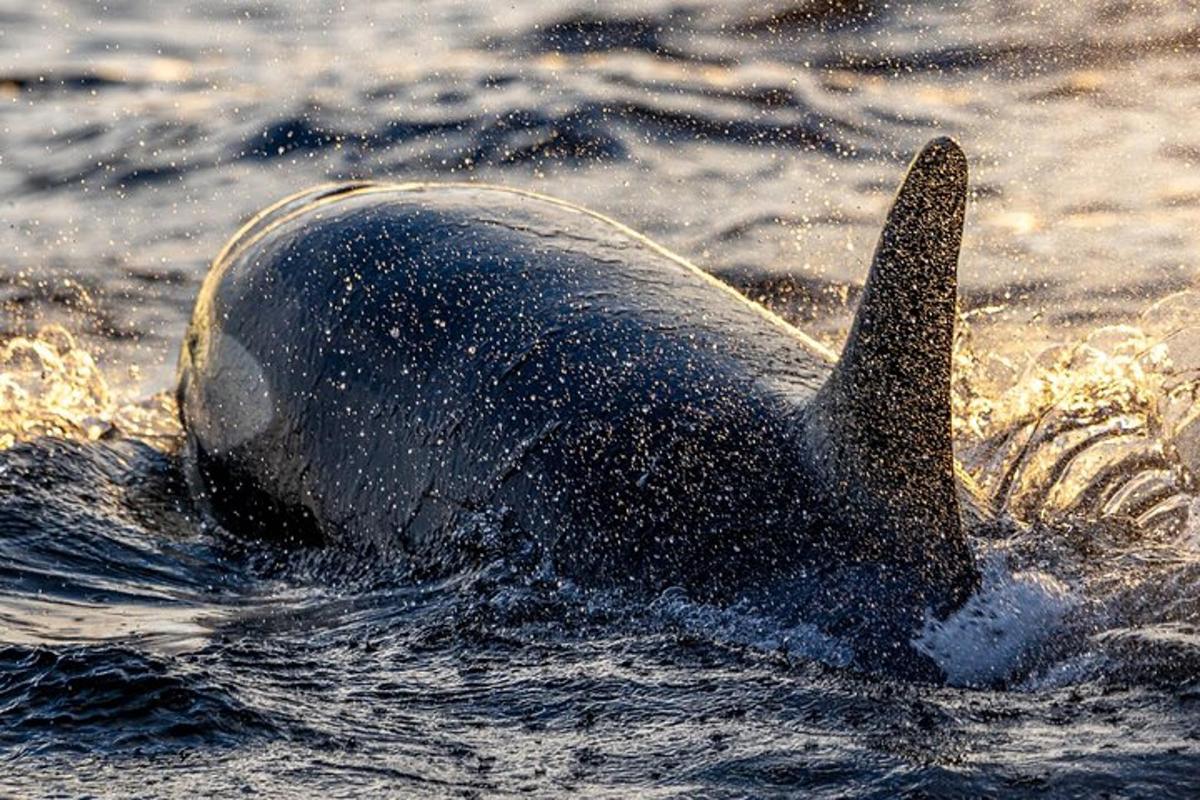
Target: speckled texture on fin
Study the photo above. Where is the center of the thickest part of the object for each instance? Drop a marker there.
(883, 418)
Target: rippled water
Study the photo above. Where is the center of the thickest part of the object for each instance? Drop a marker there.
(142, 652)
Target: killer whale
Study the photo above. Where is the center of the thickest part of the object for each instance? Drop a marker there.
(372, 364)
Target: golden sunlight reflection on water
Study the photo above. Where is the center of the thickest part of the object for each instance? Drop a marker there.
(49, 386)
(166, 628)
(1101, 423)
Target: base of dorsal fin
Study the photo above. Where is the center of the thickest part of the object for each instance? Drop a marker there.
(881, 423)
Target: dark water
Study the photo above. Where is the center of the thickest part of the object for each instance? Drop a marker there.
(145, 653)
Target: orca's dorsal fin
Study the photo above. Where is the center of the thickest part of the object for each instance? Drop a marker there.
(893, 376)
(882, 420)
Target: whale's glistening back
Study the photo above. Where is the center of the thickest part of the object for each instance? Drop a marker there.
(381, 365)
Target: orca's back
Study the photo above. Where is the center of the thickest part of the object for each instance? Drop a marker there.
(411, 354)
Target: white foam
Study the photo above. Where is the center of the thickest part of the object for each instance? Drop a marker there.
(999, 629)
(740, 627)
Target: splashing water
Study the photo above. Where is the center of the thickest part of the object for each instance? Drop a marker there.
(1105, 427)
(49, 386)
(1086, 450)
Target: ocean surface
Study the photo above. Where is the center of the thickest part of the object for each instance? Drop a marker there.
(145, 652)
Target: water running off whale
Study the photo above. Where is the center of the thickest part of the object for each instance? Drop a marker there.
(373, 365)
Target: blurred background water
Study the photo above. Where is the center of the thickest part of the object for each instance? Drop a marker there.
(144, 653)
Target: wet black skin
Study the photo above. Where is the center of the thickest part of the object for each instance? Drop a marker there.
(379, 365)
